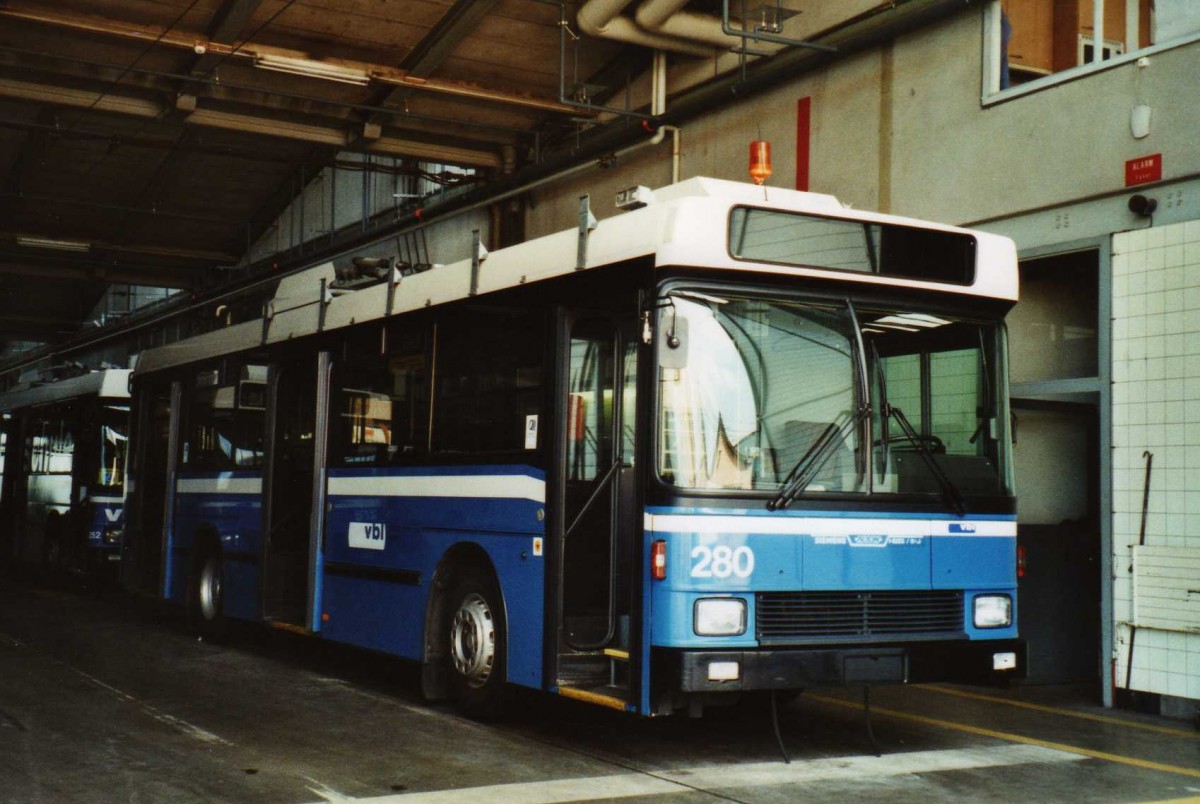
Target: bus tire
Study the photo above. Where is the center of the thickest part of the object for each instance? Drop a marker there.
(206, 595)
(475, 645)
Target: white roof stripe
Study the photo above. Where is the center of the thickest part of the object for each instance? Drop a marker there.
(502, 487)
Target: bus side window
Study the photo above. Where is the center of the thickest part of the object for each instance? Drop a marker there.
(381, 402)
(224, 425)
(489, 380)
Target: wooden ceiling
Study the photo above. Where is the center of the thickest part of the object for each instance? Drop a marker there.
(166, 135)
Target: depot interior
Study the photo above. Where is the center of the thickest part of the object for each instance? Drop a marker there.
(160, 160)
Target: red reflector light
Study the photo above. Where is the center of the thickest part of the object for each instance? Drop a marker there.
(1020, 561)
(658, 560)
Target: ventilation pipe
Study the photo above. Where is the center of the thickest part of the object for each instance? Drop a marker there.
(667, 18)
(603, 19)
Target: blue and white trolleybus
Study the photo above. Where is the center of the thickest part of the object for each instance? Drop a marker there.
(730, 438)
(62, 470)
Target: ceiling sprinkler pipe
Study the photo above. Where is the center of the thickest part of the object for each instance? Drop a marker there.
(762, 36)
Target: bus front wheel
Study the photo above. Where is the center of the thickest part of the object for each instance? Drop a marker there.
(475, 649)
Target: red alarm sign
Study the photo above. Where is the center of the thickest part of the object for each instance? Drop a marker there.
(1143, 170)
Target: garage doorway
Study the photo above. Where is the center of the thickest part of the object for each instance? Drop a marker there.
(1056, 368)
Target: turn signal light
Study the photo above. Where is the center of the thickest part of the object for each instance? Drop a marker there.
(658, 560)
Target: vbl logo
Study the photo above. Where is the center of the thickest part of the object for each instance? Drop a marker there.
(368, 535)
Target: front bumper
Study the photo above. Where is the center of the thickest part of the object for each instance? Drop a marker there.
(800, 668)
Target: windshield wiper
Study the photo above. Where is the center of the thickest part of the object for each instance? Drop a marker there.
(815, 458)
(950, 493)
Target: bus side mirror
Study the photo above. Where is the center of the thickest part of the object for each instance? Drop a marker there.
(672, 340)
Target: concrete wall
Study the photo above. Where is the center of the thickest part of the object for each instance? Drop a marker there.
(903, 129)
(340, 197)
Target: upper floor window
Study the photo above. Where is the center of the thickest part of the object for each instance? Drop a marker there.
(1040, 42)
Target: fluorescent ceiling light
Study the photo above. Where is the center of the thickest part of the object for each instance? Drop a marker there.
(312, 69)
(60, 245)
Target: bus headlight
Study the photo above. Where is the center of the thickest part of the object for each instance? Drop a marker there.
(719, 616)
(993, 611)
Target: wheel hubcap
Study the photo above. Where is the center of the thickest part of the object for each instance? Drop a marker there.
(473, 640)
(210, 590)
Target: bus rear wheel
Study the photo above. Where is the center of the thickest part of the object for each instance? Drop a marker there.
(475, 648)
(205, 600)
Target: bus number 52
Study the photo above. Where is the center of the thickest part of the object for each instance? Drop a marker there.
(722, 561)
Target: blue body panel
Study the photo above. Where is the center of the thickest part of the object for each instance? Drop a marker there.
(236, 518)
(375, 594)
(107, 513)
(714, 553)
(963, 562)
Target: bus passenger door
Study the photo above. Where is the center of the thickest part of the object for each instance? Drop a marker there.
(296, 456)
(596, 498)
(146, 549)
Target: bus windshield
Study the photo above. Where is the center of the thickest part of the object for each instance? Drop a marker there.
(767, 391)
(114, 422)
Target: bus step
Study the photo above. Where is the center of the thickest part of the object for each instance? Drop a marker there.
(291, 628)
(617, 654)
(605, 696)
(584, 670)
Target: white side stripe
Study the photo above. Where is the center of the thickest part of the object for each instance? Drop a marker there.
(818, 526)
(519, 487)
(219, 485)
(739, 776)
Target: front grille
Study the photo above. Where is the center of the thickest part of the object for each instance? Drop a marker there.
(784, 617)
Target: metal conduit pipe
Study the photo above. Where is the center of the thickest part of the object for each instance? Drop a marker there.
(668, 18)
(603, 20)
(658, 105)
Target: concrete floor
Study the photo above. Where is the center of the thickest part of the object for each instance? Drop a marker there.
(103, 698)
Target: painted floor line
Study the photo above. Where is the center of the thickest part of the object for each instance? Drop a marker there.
(1016, 738)
(739, 776)
(1116, 721)
(180, 725)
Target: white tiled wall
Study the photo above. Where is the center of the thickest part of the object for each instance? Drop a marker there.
(1156, 408)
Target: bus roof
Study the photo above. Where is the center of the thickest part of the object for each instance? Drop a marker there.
(104, 383)
(684, 224)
